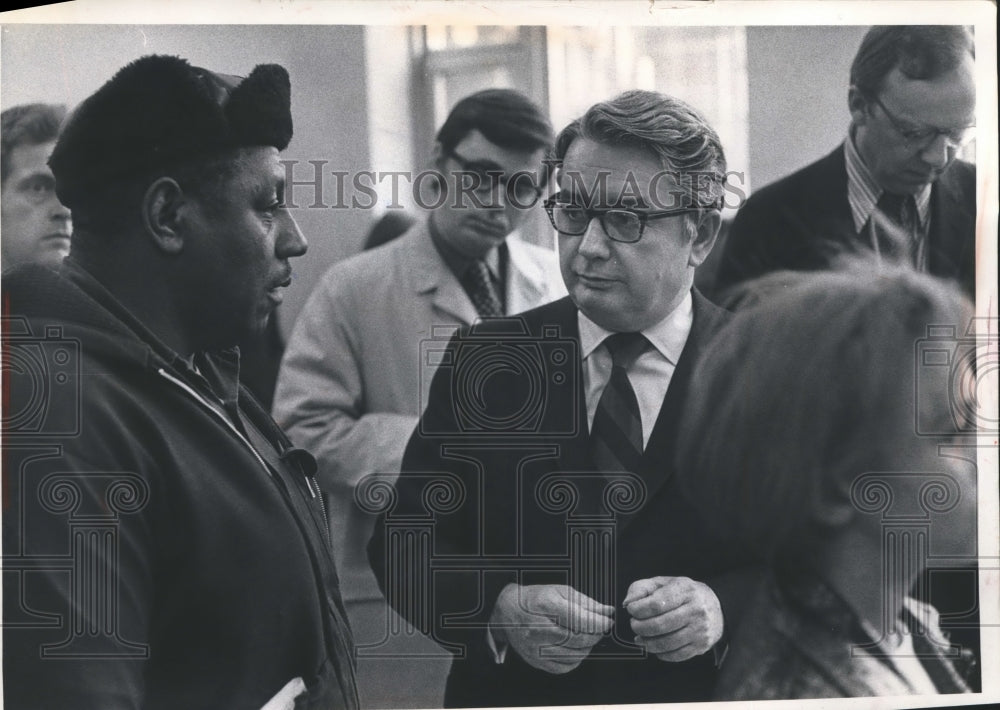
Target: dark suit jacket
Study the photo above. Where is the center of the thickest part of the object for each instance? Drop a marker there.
(801, 221)
(490, 470)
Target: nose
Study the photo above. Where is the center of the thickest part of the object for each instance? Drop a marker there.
(594, 242)
(290, 242)
(58, 211)
(939, 152)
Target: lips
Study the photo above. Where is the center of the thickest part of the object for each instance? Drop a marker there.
(274, 293)
(594, 281)
(283, 281)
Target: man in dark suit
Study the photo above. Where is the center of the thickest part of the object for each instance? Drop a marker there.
(535, 530)
(894, 186)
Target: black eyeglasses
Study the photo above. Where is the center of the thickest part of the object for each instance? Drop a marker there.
(924, 136)
(486, 177)
(620, 224)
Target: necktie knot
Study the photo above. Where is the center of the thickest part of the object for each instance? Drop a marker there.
(625, 348)
(892, 205)
(894, 228)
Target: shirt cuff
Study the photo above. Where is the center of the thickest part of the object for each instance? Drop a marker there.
(499, 651)
(720, 651)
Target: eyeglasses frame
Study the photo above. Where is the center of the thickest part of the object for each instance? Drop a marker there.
(643, 216)
(932, 131)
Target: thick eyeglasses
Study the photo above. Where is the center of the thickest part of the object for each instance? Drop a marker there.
(621, 225)
(486, 177)
(923, 137)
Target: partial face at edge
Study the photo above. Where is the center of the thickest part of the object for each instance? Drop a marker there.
(35, 225)
(946, 102)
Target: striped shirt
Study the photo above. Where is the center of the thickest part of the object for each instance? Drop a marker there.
(863, 194)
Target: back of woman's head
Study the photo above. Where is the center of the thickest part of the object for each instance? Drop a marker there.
(803, 392)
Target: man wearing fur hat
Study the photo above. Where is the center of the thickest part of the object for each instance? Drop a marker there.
(165, 545)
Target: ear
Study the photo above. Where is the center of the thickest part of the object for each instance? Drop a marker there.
(707, 231)
(857, 104)
(164, 210)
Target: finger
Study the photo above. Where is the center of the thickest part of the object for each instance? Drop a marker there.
(667, 643)
(579, 613)
(581, 599)
(556, 666)
(670, 622)
(639, 589)
(681, 654)
(663, 600)
(578, 620)
(581, 642)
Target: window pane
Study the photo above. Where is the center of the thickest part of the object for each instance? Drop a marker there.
(442, 37)
(705, 66)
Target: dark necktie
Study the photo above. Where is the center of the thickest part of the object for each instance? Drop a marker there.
(895, 234)
(616, 437)
(482, 292)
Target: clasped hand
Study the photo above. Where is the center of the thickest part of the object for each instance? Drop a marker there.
(551, 626)
(554, 627)
(675, 618)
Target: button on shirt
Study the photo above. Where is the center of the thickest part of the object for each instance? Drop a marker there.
(650, 374)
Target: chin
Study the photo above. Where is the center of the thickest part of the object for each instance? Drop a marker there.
(52, 257)
(601, 312)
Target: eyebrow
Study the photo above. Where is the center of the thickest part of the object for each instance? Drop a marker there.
(634, 206)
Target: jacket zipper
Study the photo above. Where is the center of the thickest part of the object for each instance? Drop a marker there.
(316, 494)
(198, 398)
(309, 483)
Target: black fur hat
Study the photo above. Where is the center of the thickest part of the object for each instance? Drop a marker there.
(158, 110)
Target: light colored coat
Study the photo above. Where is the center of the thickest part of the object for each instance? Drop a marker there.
(352, 385)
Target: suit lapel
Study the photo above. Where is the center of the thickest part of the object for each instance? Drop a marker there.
(831, 222)
(432, 280)
(657, 467)
(949, 230)
(574, 454)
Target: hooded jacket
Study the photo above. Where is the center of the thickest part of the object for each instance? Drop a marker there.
(164, 544)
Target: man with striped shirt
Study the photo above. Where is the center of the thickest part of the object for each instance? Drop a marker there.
(895, 187)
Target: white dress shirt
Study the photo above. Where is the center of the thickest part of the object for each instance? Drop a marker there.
(650, 374)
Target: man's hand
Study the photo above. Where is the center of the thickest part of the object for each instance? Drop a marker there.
(675, 618)
(552, 627)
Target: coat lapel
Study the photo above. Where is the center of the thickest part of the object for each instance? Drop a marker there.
(657, 466)
(432, 280)
(949, 229)
(574, 455)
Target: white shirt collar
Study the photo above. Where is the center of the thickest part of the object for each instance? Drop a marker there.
(863, 192)
(668, 336)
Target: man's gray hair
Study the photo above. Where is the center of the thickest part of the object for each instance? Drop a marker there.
(667, 127)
